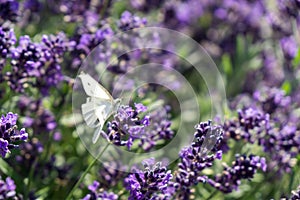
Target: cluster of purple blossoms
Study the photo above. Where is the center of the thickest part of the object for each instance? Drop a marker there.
(87, 41)
(29, 152)
(197, 157)
(154, 182)
(9, 11)
(282, 22)
(32, 5)
(111, 173)
(78, 10)
(289, 47)
(179, 14)
(272, 100)
(127, 123)
(289, 8)
(244, 167)
(295, 194)
(44, 120)
(236, 17)
(279, 138)
(37, 64)
(282, 145)
(7, 40)
(50, 169)
(146, 5)
(9, 133)
(248, 126)
(90, 35)
(159, 129)
(272, 70)
(129, 21)
(7, 189)
(133, 124)
(96, 193)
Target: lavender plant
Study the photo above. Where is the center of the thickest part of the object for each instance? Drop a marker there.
(253, 153)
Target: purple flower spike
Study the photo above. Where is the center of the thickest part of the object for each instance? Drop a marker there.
(242, 168)
(197, 157)
(97, 193)
(128, 127)
(129, 21)
(140, 107)
(151, 183)
(9, 133)
(296, 194)
(9, 11)
(289, 47)
(7, 40)
(38, 64)
(94, 186)
(7, 189)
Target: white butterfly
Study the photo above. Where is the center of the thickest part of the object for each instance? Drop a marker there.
(99, 106)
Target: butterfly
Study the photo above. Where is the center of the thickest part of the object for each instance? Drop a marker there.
(99, 105)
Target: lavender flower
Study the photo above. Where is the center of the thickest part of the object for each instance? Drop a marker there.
(111, 173)
(129, 21)
(272, 101)
(126, 123)
(7, 40)
(87, 41)
(178, 14)
(9, 133)
(77, 10)
(7, 189)
(96, 193)
(282, 145)
(32, 5)
(43, 121)
(289, 47)
(50, 169)
(279, 140)
(272, 70)
(146, 5)
(29, 152)
(54, 46)
(289, 8)
(295, 194)
(128, 126)
(9, 11)
(242, 168)
(151, 183)
(197, 157)
(37, 64)
(251, 122)
(158, 130)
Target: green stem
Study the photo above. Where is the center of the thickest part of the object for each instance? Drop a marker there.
(212, 195)
(48, 147)
(30, 177)
(105, 5)
(86, 171)
(292, 176)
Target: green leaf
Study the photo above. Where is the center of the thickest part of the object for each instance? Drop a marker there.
(296, 61)
(286, 86)
(5, 168)
(227, 64)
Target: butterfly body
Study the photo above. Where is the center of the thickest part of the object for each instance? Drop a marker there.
(99, 105)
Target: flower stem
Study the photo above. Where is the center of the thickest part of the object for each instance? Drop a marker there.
(86, 171)
(212, 195)
(30, 176)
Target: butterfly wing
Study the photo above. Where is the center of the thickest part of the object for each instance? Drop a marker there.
(99, 106)
(92, 88)
(95, 112)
